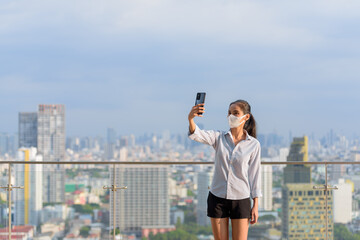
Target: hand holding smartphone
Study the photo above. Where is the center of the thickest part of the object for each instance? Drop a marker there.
(200, 98)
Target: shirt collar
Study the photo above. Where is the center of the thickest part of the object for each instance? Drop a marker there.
(248, 137)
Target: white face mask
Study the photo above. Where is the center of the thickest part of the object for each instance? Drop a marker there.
(234, 121)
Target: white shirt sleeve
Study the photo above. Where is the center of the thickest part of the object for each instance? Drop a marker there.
(254, 173)
(209, 137)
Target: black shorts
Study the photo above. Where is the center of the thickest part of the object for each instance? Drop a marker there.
(222, 208)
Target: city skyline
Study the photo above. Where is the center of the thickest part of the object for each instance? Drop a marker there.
(182, 185)
(330, 133)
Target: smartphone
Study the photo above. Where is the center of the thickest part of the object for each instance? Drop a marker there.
(200, 98)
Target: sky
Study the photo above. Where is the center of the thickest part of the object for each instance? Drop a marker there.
(137, 65)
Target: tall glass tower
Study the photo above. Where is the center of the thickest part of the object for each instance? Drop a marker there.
(28, 129)
(51, 145)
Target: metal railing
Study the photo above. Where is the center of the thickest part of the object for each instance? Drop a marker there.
(114, 188)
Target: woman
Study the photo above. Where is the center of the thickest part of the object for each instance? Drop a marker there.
(237, 175)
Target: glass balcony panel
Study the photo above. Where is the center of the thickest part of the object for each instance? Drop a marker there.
(4, 203)
(161, 198)
(141, 208)
(62, 201)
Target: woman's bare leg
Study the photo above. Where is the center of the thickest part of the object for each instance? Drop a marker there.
(220, 228)
(240, 228)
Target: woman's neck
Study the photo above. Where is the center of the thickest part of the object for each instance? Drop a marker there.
(238, 133)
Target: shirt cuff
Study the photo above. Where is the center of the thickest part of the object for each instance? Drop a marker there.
(193, 135)
(256, 193)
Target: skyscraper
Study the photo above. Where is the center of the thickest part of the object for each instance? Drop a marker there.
(51, 131)
(303, 214)
(28, 129)
(298, 153)
(266, 202)
(51, 145)
(109, 148)
(146, 200)
(28, 201)
(111, 136)
(343, 202)
(4, 143)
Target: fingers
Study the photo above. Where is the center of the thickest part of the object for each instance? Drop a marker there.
(197, 109)
(254, 218)
(199, 106)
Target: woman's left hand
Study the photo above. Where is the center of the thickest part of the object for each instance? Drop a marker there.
(254, 214)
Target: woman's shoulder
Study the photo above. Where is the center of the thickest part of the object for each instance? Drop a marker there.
(211, 131)
(255, 141)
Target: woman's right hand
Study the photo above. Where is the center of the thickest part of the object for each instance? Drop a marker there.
(196, 110)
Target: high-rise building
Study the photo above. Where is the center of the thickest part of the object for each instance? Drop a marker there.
(8, 144)
(132, 142)
(28, 201)
(283, 154)
(336, 171)
(51, 131)
(204, 181)
(343, 202)
(303, 214)
(109, 148)
(124, 142)
(298, 153)
(51, 145)
(266, 202)
(109, 151)
(111, 136)
(146, 200)
(123, 154)
(28, 122)
(4, 143)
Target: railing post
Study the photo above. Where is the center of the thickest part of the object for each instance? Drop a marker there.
(326, 188)
(113, 189)
(9, 188)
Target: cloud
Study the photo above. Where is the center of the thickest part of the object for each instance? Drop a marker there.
(232, 22)
(116, 61)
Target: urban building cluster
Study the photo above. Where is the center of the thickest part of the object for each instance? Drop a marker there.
(69, 201)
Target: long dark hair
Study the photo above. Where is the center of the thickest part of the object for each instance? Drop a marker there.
(250, 125)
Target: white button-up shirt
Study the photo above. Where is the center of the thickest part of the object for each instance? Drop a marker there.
(237, 173)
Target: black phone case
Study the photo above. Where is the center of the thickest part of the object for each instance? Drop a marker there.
(200, 98)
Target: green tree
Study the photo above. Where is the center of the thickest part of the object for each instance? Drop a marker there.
(117, 231)
(267, 217)
(178, 223)
(190, 193)
(84, 231)
(86, 209)
(342, 233)
(178, 234)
